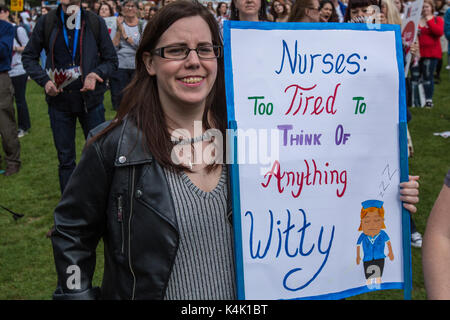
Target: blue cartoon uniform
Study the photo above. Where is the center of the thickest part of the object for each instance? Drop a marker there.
(373, 247)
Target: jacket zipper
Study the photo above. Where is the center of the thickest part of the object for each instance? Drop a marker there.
(129, 231)
(120, 220)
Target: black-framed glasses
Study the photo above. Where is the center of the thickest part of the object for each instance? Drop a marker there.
(181, 52)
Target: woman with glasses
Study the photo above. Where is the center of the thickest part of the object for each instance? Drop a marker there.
(164, 218)
(126, 42)
(151, 183)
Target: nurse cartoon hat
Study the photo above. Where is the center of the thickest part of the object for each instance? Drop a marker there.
(372, 203)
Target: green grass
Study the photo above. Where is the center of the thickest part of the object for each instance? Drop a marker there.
(26, 260)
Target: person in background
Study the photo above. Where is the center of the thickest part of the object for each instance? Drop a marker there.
(222, 11)
(363, 11)
(279, 11)
(8, 128)
(328, 11)
(431, 28)
(19, 80)
(105, 10)
(113, 5)
(436, 246)
(390, 13)
(447, 35)
(305, 11)
(91, 58)
(126, 42)
(400, 6)
(440, 8)
(151, 13)
(340, 9)
(209, 6)
(221, 14)
(248, 10)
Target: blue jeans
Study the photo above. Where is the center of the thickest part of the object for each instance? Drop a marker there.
(63, 125)
(427, 67)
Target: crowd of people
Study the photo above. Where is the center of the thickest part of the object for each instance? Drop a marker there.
(142, 71)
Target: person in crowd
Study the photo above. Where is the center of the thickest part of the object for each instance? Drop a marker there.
(436, 246)
(113, 5)
(431, 28)
(447, 35)
(340, 9)
(105, 10)
(361, 11)
(222, 11)
(85, 5)
(88, 55)
(8, 128)
(279, 11)
(95, 6)
(328, 11)
(440, 9)
(166, 2)
(400, 6)
(151, 13)
(126, 42)
(209, 6)
(141, 10)
(390, 13)
(221, 14)
(44, 10)
(19, 80)
(248, 10)
(150, 6)
(165, 221)
(305, 11)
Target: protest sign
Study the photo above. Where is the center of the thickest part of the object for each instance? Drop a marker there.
(318, 116)
(16, 5)
(410, 25)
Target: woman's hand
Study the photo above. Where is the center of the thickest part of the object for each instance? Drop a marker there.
(409, 193)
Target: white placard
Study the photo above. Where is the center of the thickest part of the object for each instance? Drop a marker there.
(317, 108)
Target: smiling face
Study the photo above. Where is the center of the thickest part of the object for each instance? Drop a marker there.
(427, 10)
(372, 223)
(183, 83)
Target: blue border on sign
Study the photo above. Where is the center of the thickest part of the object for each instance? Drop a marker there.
(232, 124)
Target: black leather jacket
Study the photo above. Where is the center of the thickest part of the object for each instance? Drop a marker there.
(118, 193)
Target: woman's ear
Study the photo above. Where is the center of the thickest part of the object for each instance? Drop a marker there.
(148, 61)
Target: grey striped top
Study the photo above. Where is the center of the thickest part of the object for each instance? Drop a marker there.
(204, 265)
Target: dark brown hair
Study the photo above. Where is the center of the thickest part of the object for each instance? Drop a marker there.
(141, 100)
(262, 14)
(273, 12)
(298, 11)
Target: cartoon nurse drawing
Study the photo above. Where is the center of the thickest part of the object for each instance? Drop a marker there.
(373, 240)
